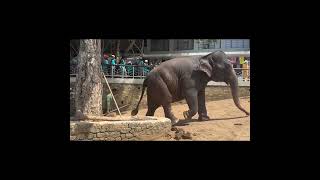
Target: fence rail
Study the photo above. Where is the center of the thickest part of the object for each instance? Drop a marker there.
(140, 72)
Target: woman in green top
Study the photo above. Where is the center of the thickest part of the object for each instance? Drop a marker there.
(129, 68)
(122, 67)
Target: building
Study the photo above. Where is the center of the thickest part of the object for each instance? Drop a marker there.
(154, 48)
(157, 48)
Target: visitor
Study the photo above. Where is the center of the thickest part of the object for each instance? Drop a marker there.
(129, 68)
(146, 68)
(241, 59)
(113, 63)
(109, 99)
(237, 66)
(141, 66)
(105, 63)
(122, 67)
(245, 72)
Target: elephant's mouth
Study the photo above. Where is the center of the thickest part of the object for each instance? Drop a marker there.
(227, 82)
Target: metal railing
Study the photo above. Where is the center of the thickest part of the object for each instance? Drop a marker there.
(121, 71)
(140, 72)
(126, 71)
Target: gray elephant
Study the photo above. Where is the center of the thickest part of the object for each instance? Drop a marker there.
(187, 78)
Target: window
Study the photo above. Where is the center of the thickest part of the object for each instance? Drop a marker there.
(246, 43)
(183, 44)
(145, 42)
(209, 44)
(160, 45)
(237, 43)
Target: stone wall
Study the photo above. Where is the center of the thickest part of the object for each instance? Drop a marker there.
(119, 130)
(129, 94)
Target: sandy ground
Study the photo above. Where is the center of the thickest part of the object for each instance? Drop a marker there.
(227, 122)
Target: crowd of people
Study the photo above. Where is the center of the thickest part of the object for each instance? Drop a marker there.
(241, 65)
(127, 67)
(113, 66)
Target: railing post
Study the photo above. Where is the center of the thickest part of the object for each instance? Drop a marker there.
(112, 68)
(133, 71)
(143, 71)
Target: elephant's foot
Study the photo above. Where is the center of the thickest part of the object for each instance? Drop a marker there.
(203, 117)
(174, 120)
(186, 115)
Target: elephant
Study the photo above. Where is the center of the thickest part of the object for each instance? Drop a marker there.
(186, 78)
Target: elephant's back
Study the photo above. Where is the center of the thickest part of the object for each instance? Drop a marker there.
(171, 72)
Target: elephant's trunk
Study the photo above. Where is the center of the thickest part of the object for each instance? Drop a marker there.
(235, 93)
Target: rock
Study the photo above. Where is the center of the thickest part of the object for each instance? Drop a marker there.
(129, 135)
(174, 128)
(178, 136)
(93, 129)
(72, 138)
(170, 135)
(79, 116)
(187, 135)
(132, 125)
(99, 135)
(125, 130)
(91, 136)
(113, 114)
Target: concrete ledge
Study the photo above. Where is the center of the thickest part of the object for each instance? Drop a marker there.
(240, 83)
(140, 81)
(122, 130)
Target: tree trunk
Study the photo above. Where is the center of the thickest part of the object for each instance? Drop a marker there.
(88, 96)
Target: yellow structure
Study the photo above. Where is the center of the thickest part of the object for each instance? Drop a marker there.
(245, 68)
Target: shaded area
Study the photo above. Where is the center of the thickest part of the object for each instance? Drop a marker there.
(183, 122)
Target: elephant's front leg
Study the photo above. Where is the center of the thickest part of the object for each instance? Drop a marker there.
(202, 106)
(192, 100)
(168, 113)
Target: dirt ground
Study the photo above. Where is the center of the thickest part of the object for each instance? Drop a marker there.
(227, 122)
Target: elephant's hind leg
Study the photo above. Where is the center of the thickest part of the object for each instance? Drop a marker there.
(168, 113)
(151, 109)
(160, 94)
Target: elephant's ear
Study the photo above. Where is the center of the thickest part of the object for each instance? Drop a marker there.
(205, 66)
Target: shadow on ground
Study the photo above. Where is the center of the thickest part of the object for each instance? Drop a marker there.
(183, 122)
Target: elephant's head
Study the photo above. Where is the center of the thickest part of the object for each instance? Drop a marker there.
(219, 69)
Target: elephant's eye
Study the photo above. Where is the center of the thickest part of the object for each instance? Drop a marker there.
(220, 66)
(228, 66)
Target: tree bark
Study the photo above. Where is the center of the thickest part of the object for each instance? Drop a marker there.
(88, 96)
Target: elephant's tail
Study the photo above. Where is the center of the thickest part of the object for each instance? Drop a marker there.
(135, 111)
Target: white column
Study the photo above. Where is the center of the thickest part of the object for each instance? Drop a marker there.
(195, 44)
(148, 48)
(171, 45)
